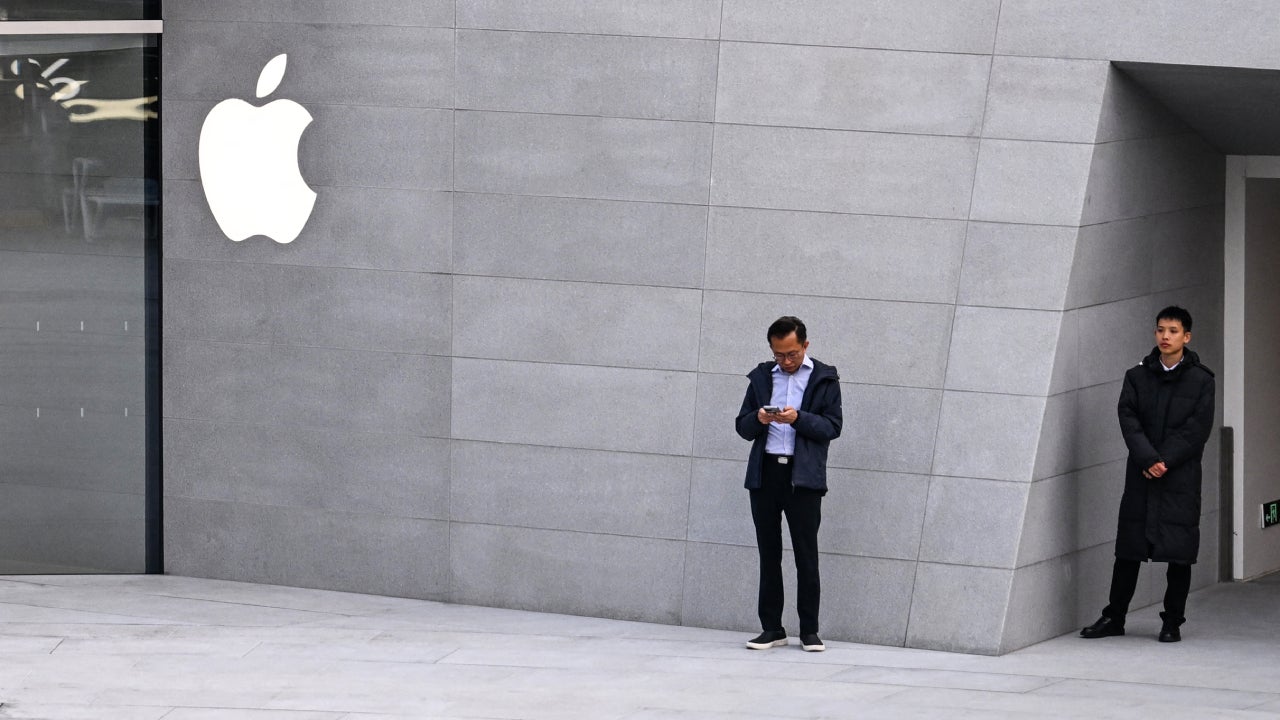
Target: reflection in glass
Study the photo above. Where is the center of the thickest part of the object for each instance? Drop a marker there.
(79, 10)
(78, 216)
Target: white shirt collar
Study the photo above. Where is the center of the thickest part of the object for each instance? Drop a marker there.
(808, 362)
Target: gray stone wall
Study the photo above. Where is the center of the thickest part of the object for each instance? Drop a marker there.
(500, 364)
(307, 387)
(1150, 235)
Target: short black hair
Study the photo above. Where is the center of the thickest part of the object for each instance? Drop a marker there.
(784, 326)
(1173, 312)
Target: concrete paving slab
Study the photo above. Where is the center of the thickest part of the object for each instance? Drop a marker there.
(242, 714)
(950, 679)
(1129, 693)
(40, 711)
(158, 647)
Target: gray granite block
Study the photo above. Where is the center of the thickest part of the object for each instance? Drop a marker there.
(866, 600)
(873, 514)
(305, 387)
(567, 572)
(1041, 183)
(631, 410)
(973, 522)
(975, 625)
(892, 343)
(551, 238)
(1158, 31)
(985, 435)
(670, 18)
(719, 505)
(1098, 427)
(352, 472)
(968, 26)
(890, 429)
(1002, 350)
(615, 76)
(843, 171)
(1059, 448)
(592, 157)
(307, 547)
(542, 320)
(568, 489)
(432, 13)
(796, 85)
(1118, 335)
(1041, 603)
(870, 257)
(1043, 256)
(361, 64)
(1040, 98)
(1132, 178)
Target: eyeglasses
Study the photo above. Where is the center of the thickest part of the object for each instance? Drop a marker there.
(789, 357)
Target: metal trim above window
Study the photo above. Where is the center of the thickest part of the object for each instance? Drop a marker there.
(82, 27)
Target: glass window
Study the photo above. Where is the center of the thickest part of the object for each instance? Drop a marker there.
(79, 10)
(79, 200)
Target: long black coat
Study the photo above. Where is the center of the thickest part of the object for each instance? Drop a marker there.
(1164, 416)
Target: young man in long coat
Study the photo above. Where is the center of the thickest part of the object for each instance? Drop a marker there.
(1166, 415)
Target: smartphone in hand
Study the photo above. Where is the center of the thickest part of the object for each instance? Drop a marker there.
(772, 409)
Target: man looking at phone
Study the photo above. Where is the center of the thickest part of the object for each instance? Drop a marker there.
(791, 412)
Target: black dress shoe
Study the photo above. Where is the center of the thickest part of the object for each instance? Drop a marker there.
(1105, 627)
(1170, 634)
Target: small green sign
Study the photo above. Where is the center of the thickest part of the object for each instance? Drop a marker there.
(1271, 513)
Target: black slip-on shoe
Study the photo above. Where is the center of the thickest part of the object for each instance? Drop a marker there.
(768, 639)
(811, 643)
(1105, 627)
(1170, 634)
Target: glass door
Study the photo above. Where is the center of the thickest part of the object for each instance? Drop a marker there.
(79, 297)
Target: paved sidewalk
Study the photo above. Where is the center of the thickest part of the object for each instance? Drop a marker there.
(150, 647)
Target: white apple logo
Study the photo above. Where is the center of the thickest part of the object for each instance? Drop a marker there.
(249, 164)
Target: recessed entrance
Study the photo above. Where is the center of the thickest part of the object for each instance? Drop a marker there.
(1237, 110)
(1251, 402)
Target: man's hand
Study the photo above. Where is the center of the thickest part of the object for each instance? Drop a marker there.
(1155, 471)
(788, 415)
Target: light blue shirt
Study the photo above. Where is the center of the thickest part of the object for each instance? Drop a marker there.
(788, 390)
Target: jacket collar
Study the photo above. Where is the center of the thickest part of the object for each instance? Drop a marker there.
(821, 371)
(1189, 359)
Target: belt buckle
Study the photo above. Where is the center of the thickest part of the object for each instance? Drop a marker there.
(783, 460)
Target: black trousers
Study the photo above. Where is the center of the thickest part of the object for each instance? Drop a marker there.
(1124, 580)
(803, 508)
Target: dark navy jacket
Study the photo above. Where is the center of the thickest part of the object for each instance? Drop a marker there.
(817, 423)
